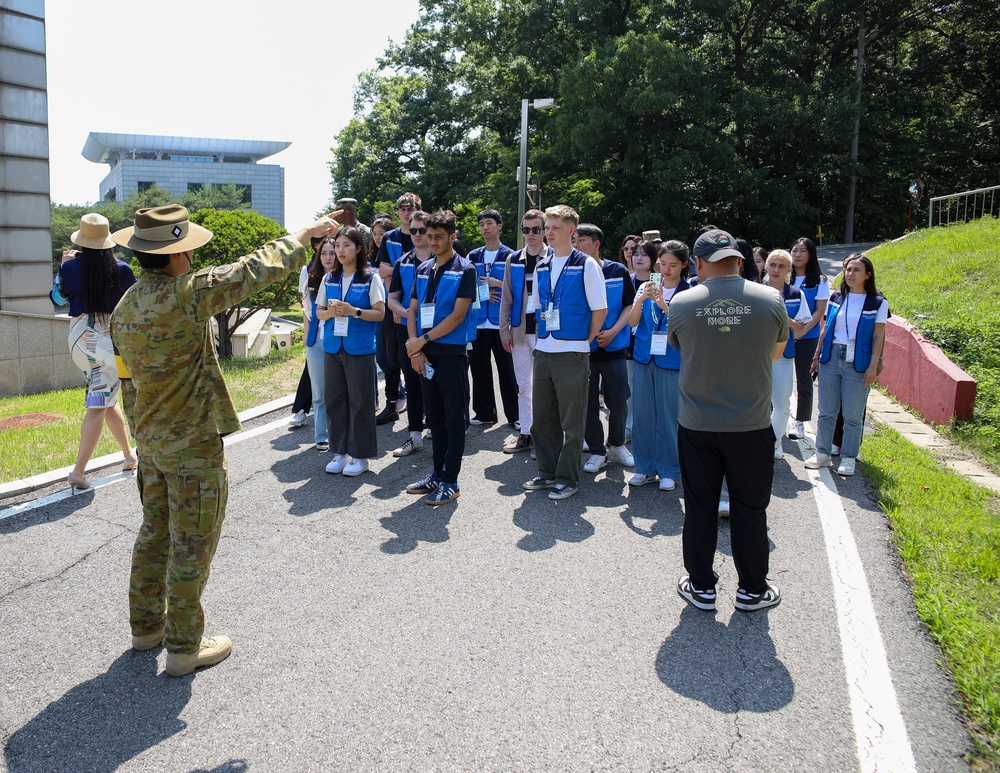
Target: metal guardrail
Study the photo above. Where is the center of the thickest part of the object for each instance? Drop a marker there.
(964, 206)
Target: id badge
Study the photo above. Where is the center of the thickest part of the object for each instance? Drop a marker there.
(552, 320)
(340, 326)
(849, 356)
(658, 344)
(427, 316)
(484, 292)
(530, 308)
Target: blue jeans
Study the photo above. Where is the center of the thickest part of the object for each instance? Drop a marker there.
(841, 388)
(314, 362)
(657, 404)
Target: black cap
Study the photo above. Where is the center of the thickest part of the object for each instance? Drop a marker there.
(715, 245)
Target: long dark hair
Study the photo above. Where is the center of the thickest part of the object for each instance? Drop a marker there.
(869, 267)
(385, 223)
(362, 266)
(101, 281)
(814, 274)
(316, 270)
(680, 251)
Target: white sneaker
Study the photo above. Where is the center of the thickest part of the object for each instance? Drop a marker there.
(586, 448)
(641, 480)
(355, 467)
(796, 430)
(834, 450)
(621, 455)
(724, 508)
(667, 484)
(818, 460)
(337, 465)
(298, 419)
(779, 452)
(517, 425)
(595, 463)
(409, 447)
(846, 467)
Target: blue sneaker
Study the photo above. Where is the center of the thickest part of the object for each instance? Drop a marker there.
(445, 492)
(424, 485)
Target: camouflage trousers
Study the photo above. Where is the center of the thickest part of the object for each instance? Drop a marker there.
(184, 498)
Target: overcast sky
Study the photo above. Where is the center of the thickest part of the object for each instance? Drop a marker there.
(211, 68)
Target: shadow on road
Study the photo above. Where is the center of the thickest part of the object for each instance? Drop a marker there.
(416, 523)
(650, 512)
(54, 512)
(730, 668)
(549, 523)
(103, 723)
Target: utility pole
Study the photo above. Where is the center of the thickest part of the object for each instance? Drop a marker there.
(852, 189)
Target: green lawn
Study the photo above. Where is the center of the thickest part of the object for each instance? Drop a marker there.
(946, 281)
(948, 533)
(31, 451)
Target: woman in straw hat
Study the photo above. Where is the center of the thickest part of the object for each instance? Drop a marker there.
(92, 281)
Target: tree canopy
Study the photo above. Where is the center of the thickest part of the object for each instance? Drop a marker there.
(673, 113)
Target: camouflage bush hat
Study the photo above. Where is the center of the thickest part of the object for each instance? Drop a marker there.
(162, 231)
(94, 232)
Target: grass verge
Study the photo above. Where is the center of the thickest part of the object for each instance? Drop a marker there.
(947, 531)
(946, 282)
(34, 450)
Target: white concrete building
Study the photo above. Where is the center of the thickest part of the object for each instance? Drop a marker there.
(181, 164)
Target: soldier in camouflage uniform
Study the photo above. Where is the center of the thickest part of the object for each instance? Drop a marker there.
(180, 410)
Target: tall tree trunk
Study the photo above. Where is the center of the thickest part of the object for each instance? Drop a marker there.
(853, 184)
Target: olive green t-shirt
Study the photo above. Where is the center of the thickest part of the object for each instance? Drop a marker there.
(725, 330)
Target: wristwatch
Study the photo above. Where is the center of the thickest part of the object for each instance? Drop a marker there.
(357, 313)
(427, 337)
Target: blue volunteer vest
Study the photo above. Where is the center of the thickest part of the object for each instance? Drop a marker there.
(655, 321)
(864, 338)
(615, 276)
(810, 294)
(313, 330)
(393, 248)
(569, 296)
(490, 310)
(444, 298)
(792, 303)
(360, 338)
(407, 273)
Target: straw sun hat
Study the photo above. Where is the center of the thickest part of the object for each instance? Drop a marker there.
(162, 231)
(94, 232)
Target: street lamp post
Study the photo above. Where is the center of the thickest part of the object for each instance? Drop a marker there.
(522, 170)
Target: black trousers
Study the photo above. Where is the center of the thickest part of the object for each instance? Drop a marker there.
(391, 369)
(303, 393)
(804, 351)
(444, 403)
(414, 398)
(612, 376)
(746, 460)
(484, 401)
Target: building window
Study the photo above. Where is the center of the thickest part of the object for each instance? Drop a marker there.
(145, 186)
(196, 159)
(111, 195)
(248, 194)
(192, 187)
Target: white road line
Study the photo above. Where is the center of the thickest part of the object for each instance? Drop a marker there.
(878, 723)
(34, 504)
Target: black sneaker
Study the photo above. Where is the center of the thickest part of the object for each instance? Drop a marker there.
(748, 602)
(539, 483)
(703, 599)
(477, 421)
(424, 485)
(563, 491)
(388, 415)
(521, 443)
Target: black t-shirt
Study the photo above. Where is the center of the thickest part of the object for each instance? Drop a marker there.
(530, 323)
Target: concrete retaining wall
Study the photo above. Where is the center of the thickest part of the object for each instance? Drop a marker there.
(34, 355)
(919, 374)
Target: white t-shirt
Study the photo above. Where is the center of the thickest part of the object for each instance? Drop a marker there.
(597, 298)
(376, 290)
(845, 327)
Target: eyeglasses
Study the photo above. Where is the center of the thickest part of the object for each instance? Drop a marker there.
(535, 229)
(418, 231)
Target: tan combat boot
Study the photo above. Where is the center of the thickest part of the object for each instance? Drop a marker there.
(212, 650)
(147, 642)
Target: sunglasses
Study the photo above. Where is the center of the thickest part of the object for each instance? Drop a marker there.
(535, 229)
(418, 231)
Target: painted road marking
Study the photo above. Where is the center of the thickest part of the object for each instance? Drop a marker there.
(879, 730)
(27, 507)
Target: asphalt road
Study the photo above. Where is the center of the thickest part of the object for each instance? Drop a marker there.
(501, 632)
